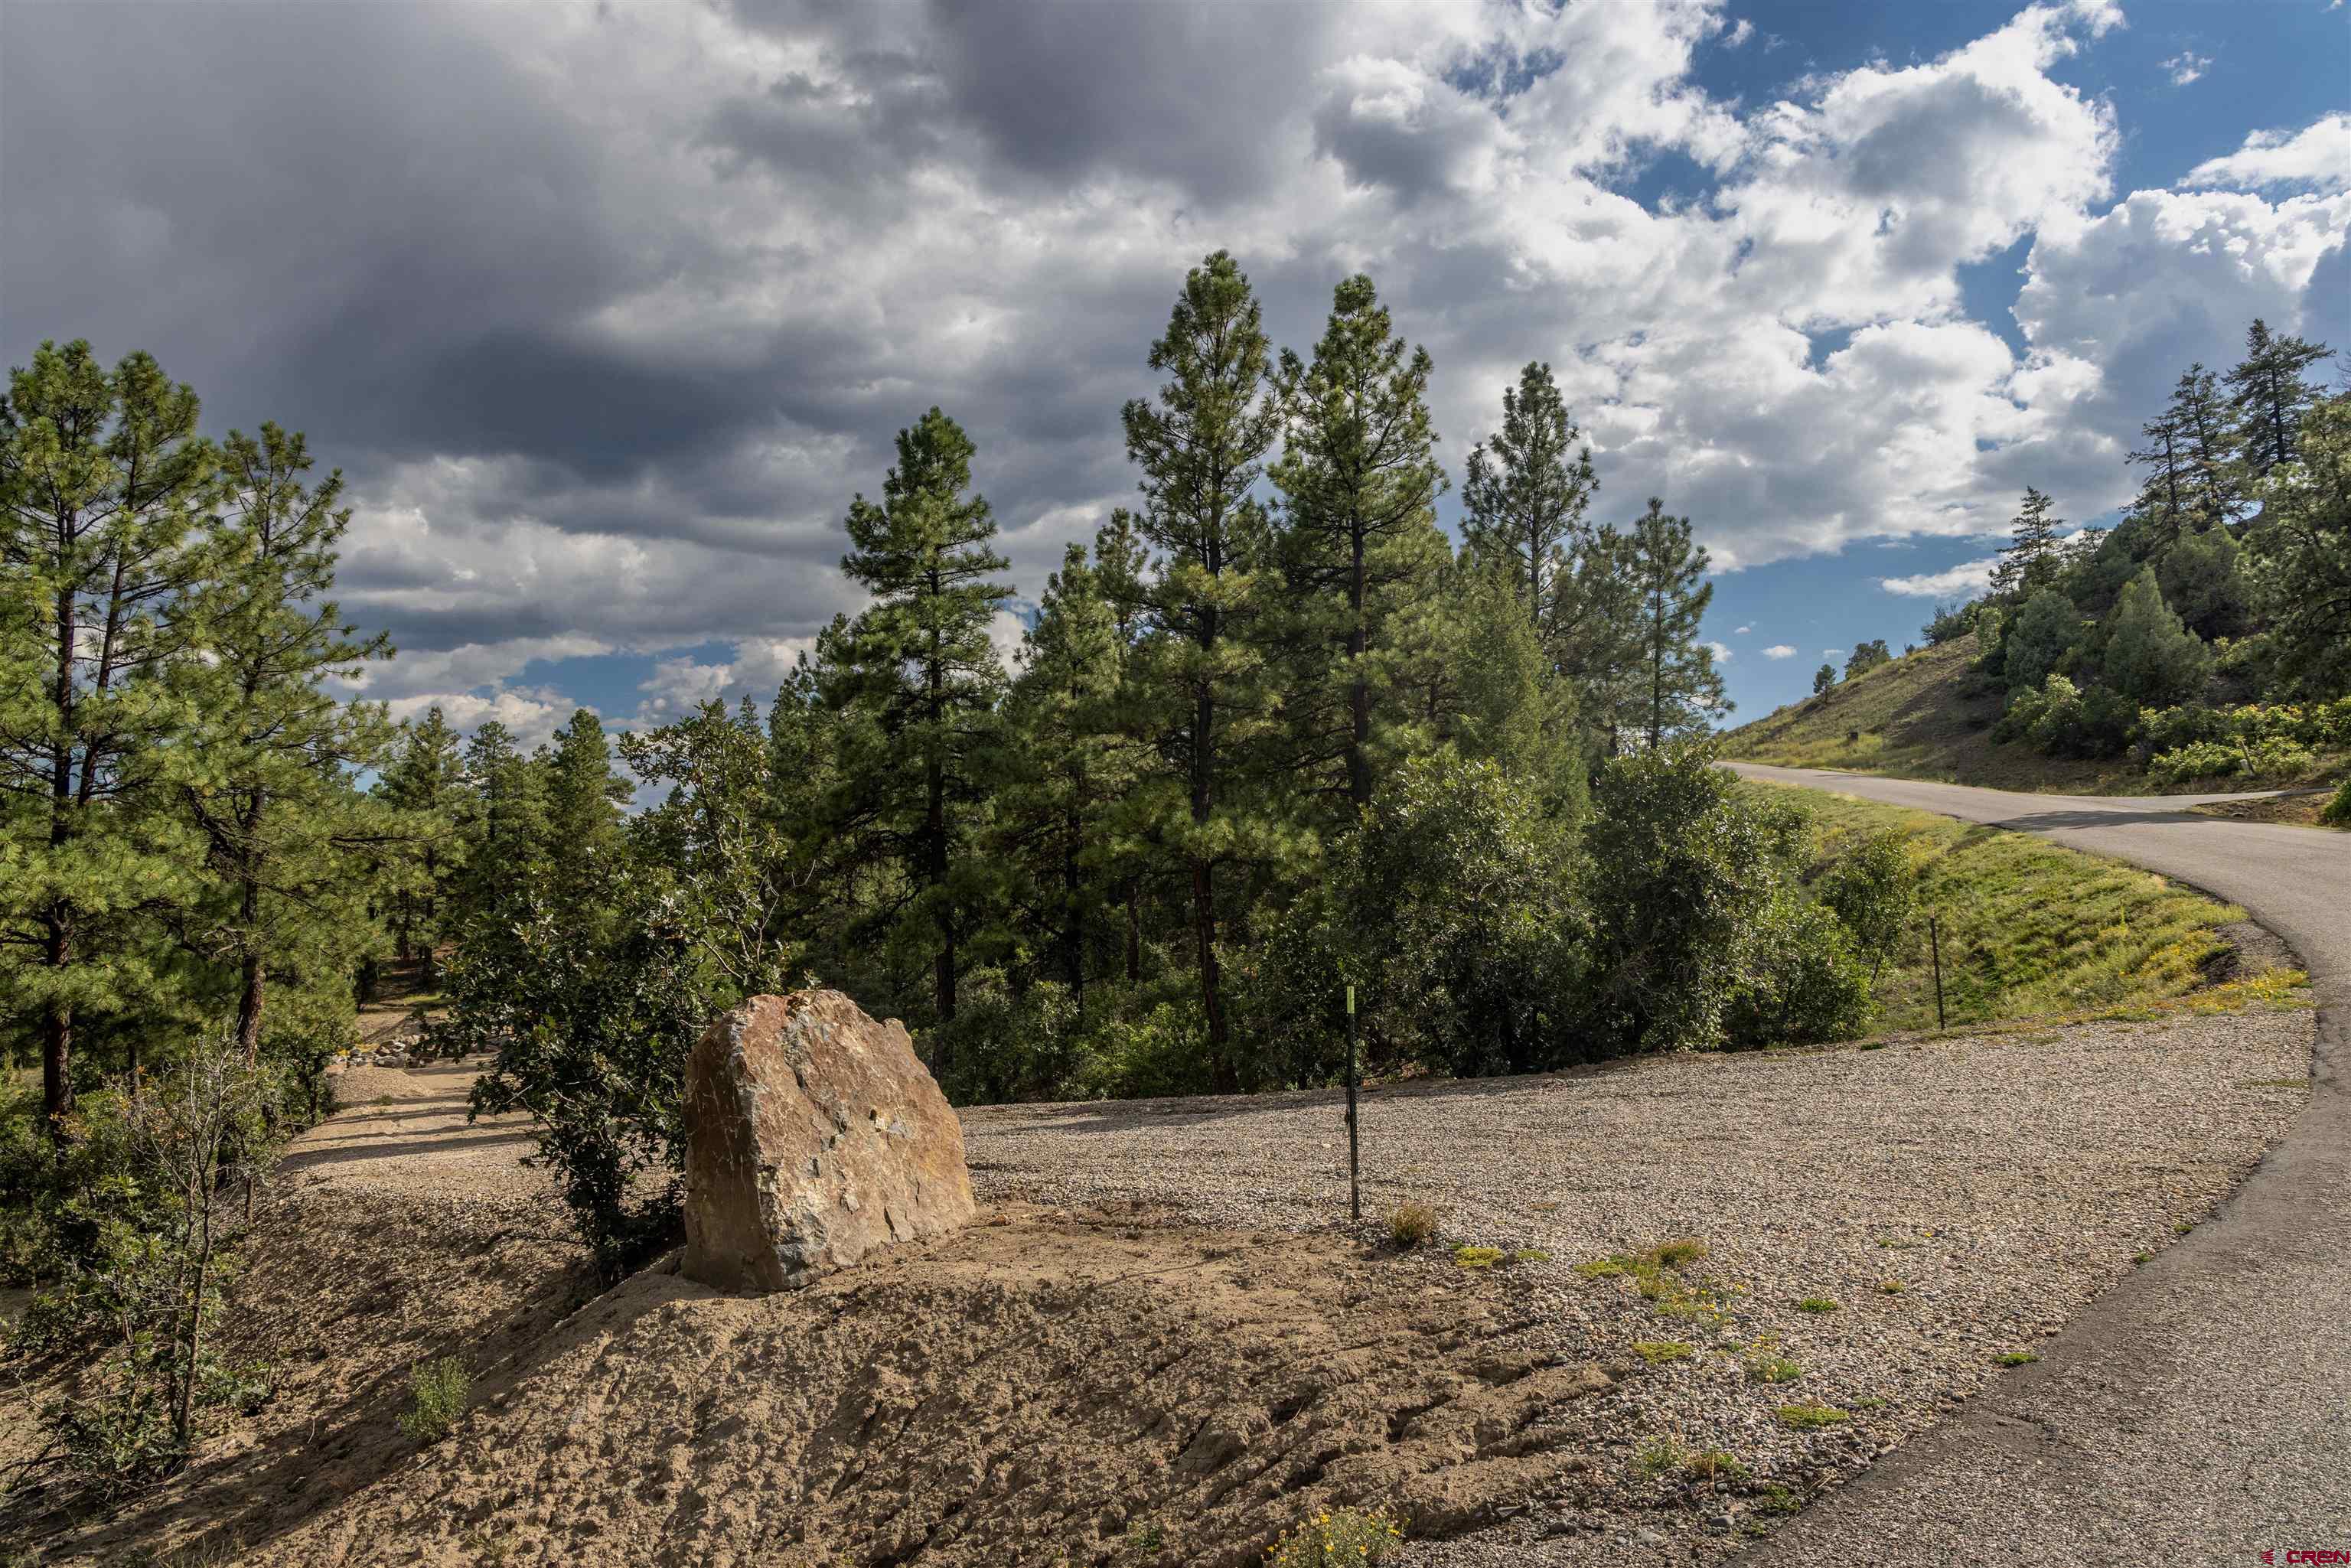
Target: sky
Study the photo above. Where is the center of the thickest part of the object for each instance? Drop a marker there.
(606, 311)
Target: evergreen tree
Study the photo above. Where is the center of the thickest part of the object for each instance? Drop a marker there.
(919, 662)
(2302, 551)
(1360, 484)
(1866, 656)
(101, 480)
(1527, 487)
(2039, 641)
(2034, 555)
(2269, 396)
(2193, 481)
(271, 787)
(584, 798)
(1823, 678)
(1682, 692)
(1198, 680)
(507, 815)
(1594, 637)
(1063, 767)
(2201, 579)
(424, 784)
(2150, 657)
(1474, 677)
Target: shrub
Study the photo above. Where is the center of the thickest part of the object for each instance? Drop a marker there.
(1801, 982)
(2204, 760)
(2149, 654)
(2338, 809)
(1683, 868)
(436, 1399)
(1410, 1224)
(1873, 891)
(1348, 1536)
(1449, 911)
(2036, 643)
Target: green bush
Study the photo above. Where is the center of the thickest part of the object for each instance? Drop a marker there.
(1683, 868)
(2338, 809)
(2276, 759)
(1872, 889)
(436, 1399)
(1801, 981)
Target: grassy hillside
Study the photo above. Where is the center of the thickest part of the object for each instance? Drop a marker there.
(1921, 716)
(2028, 929)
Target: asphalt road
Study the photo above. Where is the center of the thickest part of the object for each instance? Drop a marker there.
(2200, 1411)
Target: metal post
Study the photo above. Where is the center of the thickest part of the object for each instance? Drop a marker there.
(1935, 945)
(1355, 1186)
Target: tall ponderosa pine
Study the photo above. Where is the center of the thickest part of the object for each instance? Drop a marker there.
(1197, 681)
(1681, 691)
(101, 480)
(424, 783)
(1592, 633)
(1063, 769)
(584, 798)
(2034, 554)
(2193, 481)
(919, 663)
(1527, 488)
(1360, 484)
(271, 786)
(2303, 553)
(2270, 397)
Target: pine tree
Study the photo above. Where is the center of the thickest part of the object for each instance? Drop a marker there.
(1476, 679)
(1197, 681)
(2270, 397)
(506, 817)
(1682, 692)
(2303, 550)
(919, 662)
(424, 785)
(2034, 555)
(1823, 678)
(1592, 633)
(584, 798)
(101, 480)
(2193, 481)
(1867, 656)
(1360, 483)
(2150, 657)
(2037, 644)
(1062, 765)
(287, 838)
(1527, 488)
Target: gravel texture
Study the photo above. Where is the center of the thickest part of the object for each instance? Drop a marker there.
(2000, 1181)
(2200, 1412)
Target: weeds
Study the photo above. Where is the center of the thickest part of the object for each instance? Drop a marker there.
(1410, 1224)
(1477, 1256)
(1764, 1363)
(1816, 1304)
(437, 1395)
(2019, 1358)
(1890, 1287)
(1810, 1417)
(1342, 1535)
(1661, 1352)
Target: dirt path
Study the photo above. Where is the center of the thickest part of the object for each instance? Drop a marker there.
(2201, 1412)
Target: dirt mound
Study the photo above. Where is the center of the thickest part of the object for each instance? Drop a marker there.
(1045, 1389)
(340, 1291)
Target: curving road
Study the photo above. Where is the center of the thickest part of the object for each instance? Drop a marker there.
(2200, 1411)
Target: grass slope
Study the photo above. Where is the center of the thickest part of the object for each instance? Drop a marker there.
(1919, 716)
(2031, 930)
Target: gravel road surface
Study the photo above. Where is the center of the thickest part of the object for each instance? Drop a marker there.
(2200, 1412)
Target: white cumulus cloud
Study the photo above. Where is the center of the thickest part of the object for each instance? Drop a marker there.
(1967, 578)
(1780, 651)
(2319, 155)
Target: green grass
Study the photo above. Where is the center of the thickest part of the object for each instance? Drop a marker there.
(2028, 929)
(1810, 1417)
(1816, 1304)
(2019, 1358)
(1658, 1352)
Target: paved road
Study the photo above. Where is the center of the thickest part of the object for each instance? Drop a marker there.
(2200, 1411)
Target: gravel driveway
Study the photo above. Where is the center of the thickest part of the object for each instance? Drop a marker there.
(2202, 1413)
(1955, 1199)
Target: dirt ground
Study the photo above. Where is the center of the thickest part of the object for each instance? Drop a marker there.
(1164, 1343)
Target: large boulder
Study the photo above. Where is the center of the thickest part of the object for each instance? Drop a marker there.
(813, 1136)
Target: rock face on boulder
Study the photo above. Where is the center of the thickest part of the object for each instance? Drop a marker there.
(813, 1136)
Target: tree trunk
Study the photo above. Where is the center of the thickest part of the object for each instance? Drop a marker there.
(1133, 933)
(57, 1059)
(1204, 903)
(249, 994)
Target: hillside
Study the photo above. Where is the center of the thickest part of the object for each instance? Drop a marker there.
(1923, 716)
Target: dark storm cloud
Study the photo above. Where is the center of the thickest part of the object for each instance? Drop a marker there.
(1057, 91)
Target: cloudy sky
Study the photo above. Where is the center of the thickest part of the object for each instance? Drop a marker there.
(607, 310)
